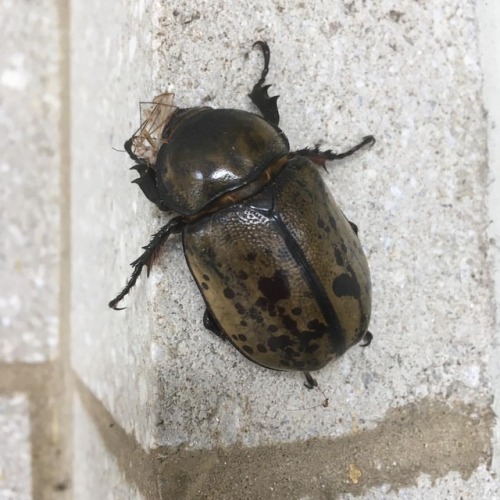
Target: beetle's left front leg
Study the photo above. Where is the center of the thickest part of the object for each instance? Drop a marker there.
(147, 177)
(173, 226)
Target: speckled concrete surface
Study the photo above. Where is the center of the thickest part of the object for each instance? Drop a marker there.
(29, 192)
(489, 37)
(15, 448)
(408, 74)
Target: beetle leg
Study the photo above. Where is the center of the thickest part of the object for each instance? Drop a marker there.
(210, 324)
(367, 339)
(267, 105)
(148, 185)
(354, 227)
(173, 226)
(320, 157)
(310, 382)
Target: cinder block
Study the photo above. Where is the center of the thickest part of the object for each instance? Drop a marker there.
(30, 192)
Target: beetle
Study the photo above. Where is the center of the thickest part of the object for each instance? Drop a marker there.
(280, 268)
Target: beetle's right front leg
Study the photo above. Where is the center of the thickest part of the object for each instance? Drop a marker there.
(267, 105)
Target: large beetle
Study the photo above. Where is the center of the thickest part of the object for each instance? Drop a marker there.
(280, 268)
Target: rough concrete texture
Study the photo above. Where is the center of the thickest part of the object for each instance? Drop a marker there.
(29, 193)
(408, 74)
(109, 351)
(489, 31)
(15, 448)
(104, 481)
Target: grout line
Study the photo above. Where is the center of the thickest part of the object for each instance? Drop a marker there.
(37, 381)
(62, 370)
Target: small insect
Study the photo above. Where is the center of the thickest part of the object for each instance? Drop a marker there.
(280, 268)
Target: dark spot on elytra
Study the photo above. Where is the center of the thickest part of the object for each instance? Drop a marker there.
(206, 277)
(280, 342)
(289, 323)
(247, 349)
(243, 323)
(339, 257)
(317, 330)
(333, 222)
(275, 288)
(297, 311)
(251, 256)
(316, 326)
(235, 337)
(320, 222)
(242, 275)
(284, 362)
(242, 337)
(272, 328)
(346, 285)
(261, 348)
(261, 302)
(204, 285)
(228, 293)
(239, 308)
(311, 348)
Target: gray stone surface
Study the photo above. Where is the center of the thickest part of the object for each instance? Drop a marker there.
(489, 31)
(96, 473)
(29, 192)
(112, 72)
(15, 448)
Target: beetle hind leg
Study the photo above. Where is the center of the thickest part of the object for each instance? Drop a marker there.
(210, 324)
(367, 339)
(173, 226)
(310, 382)
(267, 105)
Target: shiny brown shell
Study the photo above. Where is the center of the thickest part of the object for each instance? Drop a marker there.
(283, 274)
(208, 152)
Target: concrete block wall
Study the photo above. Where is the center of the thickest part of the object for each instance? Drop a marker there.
(144, 403)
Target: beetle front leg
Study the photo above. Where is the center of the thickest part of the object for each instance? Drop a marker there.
(267, 105)
(173, 226)
(147, 177)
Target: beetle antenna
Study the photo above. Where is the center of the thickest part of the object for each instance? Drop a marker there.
(173, 226)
